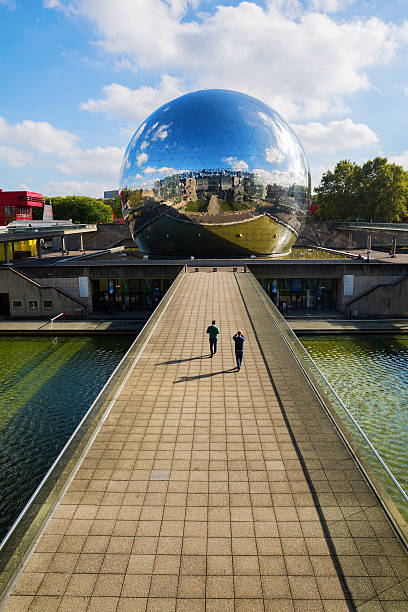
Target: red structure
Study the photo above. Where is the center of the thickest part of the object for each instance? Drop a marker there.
(18, 205)
(313, 208)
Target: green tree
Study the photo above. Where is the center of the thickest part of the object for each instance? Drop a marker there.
(383, 191)
(377, 191)
(116, 206)
(82, 209)
(337, 192)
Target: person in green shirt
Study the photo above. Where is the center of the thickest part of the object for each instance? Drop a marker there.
(213, 331)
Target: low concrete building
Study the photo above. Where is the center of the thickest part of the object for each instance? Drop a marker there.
(325, 285)
(112, 284)
(23, 297)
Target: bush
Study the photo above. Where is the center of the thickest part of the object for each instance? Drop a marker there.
(82, 209)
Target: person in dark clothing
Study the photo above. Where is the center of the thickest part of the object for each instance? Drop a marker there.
(213, 332)
(239, 340)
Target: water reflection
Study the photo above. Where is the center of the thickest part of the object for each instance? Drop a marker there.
(47, 385)
(370, 374)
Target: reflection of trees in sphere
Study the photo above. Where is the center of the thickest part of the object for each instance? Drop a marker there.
(215, 172)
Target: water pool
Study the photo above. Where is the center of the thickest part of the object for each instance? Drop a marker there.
(370, 374)
(47, 385)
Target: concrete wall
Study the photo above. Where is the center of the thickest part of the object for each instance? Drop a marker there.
(361, 285)
(29, 299)
(100, 270)
(388, 300)
(107, 236)
(71, 286)
(321, 233)
(328, 268)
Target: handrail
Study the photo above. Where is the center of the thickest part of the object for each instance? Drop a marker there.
(302, 348)
(61, 314)
(402, 227)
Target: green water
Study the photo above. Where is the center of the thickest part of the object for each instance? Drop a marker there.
(47, 385)
(370, 374)
(295, 253)
(306, 253)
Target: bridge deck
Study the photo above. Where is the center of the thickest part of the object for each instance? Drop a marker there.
(211, 489)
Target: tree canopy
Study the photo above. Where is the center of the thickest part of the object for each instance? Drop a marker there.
(82, 209)
(116, 206)
(375, 191)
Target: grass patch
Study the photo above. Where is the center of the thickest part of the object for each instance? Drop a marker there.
(232, 205)
(197, 206)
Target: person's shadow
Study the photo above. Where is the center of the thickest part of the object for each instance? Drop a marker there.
(189, 378)
(174, 361)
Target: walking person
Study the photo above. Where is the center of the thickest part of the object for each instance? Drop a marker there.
(239, 340)
(213, 332)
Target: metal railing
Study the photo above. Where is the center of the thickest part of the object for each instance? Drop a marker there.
(399, 227)
(61, 314)
(391, 494)
(23, 534)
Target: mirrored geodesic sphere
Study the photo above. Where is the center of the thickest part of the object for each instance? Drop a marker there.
(215, 173)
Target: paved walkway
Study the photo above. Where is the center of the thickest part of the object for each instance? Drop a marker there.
(380, 255)
(211, 489)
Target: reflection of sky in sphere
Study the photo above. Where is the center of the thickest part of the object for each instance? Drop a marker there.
(212, 130)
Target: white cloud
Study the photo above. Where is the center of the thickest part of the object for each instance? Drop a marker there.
(160, 133)
(289, 177)
(314, 60)
(335, 136)
(15, 157)
(236, 164)
(273, 155)
(401, 160)
(40, 142)
(169, 171)
(295, 8)
(134, 105)
(39, 136)
(317, 170)
(179, 7)
(86, 188)
(103, 162)
(142, 159)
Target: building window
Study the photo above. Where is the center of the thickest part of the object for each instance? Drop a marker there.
(302, 293)
(47, 305)
(17, 305)
(23, 213)
(9, 211)
(118, 295)
(32, 305)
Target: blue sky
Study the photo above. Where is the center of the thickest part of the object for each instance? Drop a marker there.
(78, 76)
